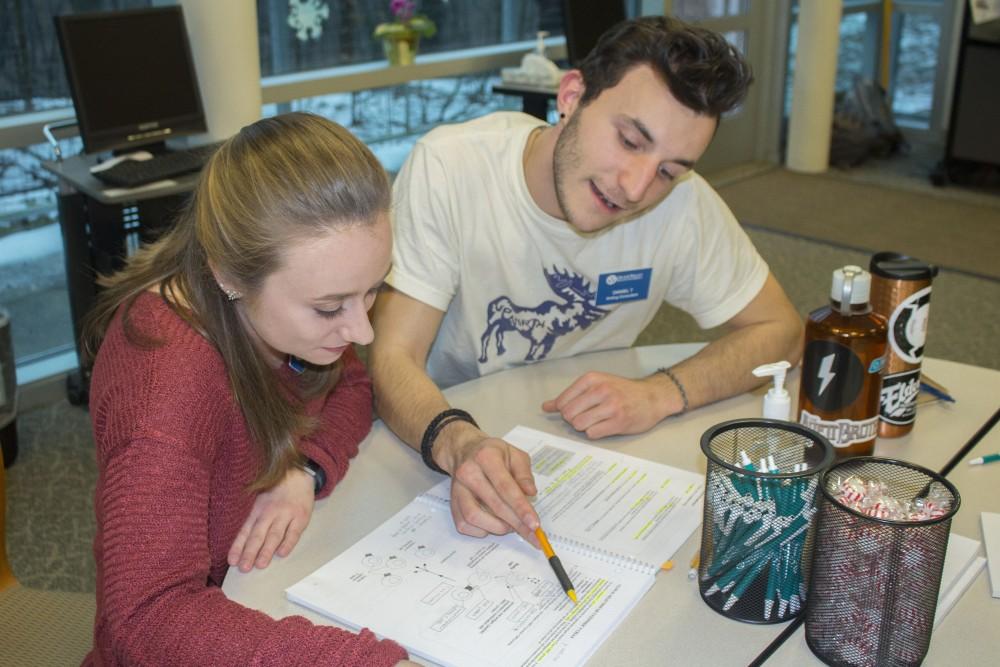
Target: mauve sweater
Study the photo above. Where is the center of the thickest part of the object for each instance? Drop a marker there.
(174, 461)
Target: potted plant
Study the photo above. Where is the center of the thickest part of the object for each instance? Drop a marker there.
(401, 36)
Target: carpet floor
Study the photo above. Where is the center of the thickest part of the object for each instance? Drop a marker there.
(959, 235)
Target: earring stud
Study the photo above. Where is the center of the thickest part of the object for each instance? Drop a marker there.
(230, 293)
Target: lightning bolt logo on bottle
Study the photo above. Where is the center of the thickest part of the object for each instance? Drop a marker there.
(826, 373)
(836, 375)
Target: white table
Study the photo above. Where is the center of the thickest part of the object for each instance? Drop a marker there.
(671, 623)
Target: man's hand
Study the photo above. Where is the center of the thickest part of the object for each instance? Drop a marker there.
(767, 329)
(276, 522)
(600, 404)
(491, 482)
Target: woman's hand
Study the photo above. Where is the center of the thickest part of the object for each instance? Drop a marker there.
(276, 522)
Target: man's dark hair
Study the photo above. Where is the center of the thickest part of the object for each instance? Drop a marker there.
(702, 70)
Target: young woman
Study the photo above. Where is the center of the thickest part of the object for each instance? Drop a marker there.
(226, 396)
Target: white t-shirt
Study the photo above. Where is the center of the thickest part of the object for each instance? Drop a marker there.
(518, 285)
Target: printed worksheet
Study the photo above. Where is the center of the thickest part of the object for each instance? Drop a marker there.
(604, 500)
(495, 601)
(467, 601)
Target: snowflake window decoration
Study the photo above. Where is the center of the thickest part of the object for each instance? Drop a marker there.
(306, 17)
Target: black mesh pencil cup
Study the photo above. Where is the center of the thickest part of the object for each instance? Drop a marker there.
(879, 550)
(760, 500)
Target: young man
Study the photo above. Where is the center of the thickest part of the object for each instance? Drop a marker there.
(516, 241)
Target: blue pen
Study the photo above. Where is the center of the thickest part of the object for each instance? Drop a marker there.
(989, 458)
(936, 393)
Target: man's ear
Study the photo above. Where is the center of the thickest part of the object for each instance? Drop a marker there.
(571, 89)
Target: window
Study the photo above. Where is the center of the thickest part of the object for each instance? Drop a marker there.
(345, 29)
(696, 11)
(33, 284)
(32, 274)
(857, 52)
(391, 119)
(914, 68)
(857, 55)
(699, 10)
(913, 55)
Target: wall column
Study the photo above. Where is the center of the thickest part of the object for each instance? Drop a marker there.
(811, 122)
(224, 44)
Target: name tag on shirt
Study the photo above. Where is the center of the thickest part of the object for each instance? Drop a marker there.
(623, 286)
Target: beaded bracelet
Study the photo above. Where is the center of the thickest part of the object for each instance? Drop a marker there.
(680, 387)
(434, 428)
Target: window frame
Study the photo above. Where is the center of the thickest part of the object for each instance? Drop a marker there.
(948, 16)
(21, 130)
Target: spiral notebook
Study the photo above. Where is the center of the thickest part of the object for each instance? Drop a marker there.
(456, 600)
(962, 564)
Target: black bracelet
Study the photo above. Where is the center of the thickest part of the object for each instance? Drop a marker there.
(316, 472)
(431, 433)
(680, 387)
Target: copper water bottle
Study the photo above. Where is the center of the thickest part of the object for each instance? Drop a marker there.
(845, 346)
(901, 293)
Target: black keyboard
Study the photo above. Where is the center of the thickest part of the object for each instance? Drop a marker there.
(133, 173)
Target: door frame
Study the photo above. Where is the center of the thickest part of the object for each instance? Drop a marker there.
(753, 133)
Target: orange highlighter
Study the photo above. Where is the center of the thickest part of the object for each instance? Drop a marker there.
(557, 567)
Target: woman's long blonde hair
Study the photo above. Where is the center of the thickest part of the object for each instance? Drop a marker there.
(288, 177)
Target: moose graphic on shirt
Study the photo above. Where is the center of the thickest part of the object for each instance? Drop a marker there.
(544, 323)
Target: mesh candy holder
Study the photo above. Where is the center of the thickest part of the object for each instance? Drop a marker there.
(760, 498)
(874, 585)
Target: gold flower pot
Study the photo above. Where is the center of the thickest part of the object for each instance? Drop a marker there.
(401, 50)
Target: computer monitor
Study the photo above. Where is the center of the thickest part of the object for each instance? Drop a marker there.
(585, 21)
(131, 76)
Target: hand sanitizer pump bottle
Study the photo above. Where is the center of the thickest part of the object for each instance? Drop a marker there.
(777, 402)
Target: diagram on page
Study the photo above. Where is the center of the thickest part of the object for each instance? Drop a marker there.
(464, 583)
(491, 601)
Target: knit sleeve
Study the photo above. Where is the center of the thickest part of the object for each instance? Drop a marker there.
(344, 420)
(154, 604)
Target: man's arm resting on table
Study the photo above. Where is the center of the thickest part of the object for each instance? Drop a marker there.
(767, 329)
(490, 477)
